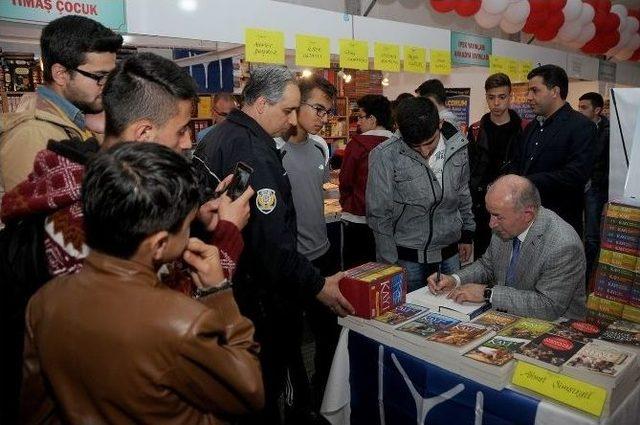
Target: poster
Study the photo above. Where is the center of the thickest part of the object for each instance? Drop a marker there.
(519, 101)
(467, 49)
(458, 101)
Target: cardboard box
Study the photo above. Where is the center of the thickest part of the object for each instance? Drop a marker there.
(374, 288)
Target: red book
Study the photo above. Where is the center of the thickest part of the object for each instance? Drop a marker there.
(374, 288)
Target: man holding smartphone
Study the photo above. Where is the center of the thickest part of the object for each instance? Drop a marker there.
(273, 279)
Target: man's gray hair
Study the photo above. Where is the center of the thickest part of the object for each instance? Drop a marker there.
(527, 196)
(268, 82)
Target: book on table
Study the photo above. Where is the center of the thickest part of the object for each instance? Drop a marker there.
(495, 320)
(399, 315)
(428, 324)
(578, 330)
(527, 328)
(462, 336)
(622, 332)
(497, 351)
(549, 351)
(447, 306)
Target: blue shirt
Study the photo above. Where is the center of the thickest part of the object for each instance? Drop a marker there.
(67, 107)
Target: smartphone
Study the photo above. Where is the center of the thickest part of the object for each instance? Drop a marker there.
(240, 181)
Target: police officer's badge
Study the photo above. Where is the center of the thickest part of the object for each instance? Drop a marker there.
(266, 200)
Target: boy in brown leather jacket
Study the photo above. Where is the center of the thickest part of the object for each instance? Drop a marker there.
(112, 344)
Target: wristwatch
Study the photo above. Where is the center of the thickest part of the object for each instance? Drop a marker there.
(205, 292)
(487, 293)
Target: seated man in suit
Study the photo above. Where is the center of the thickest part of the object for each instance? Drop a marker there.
(534, 265)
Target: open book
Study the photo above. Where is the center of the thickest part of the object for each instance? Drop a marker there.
(446, 306)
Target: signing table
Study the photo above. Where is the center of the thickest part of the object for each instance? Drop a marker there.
(374, 380)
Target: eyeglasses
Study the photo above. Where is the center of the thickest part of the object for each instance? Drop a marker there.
(320, 111)
(362, 117)
(100, 79)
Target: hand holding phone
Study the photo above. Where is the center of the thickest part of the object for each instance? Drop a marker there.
(240, 181)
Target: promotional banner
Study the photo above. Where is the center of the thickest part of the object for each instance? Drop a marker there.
(389, 386)
(458, 101)
(519, 101)
(109, 13)
(469, 49)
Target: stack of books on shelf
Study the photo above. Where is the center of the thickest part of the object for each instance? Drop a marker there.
(616, 292)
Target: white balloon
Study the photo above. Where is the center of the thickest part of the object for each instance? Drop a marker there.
(587, 14)
(517, 12)
(632, 24)
(494, 7)
(624, 54)
(624, 39)
(621, 11)
(587, 33)
(569, 31)
(486, 19)
(511, 28)
(634, 43)
(572, 10)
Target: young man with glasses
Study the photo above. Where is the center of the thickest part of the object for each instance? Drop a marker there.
(374, 127)
(77, 55)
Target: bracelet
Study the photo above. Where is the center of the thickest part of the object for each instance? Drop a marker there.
(201, 293)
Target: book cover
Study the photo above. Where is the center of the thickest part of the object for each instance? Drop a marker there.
(446, 306)
(549, 350)
(600, 358)
(459, 335)
(429, 324)
(622, 332)
(527, 328)
(578, 330)
(631, 313)
(401, 314)
(495, 320)
(374, 288)
(498, 351)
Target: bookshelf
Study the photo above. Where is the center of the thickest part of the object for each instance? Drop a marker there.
(19, 73)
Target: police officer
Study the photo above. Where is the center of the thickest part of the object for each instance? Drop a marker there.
(272, 279)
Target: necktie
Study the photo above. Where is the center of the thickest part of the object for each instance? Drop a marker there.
(511, 271)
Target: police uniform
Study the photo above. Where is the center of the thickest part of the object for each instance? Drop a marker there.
(272, 279)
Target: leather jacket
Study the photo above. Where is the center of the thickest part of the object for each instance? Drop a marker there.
(112, 344)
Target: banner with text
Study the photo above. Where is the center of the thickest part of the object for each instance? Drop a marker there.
(110, 13)
(459, 102)
(264, 46)
(469, 49)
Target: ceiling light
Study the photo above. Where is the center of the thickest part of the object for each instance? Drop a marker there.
(306, 73)
(188, 5)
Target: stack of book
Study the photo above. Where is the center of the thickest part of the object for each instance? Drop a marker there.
(446, 306)
(616, 289)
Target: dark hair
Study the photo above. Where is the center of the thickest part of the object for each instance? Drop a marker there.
(144, 86)
(217, 97)
(67, 39)
(417, 120)
(552, 76)
(378, 106)
(497, 80)
(595, 98)
(433, 88)
(132, 191)
(403, 96)
(307, 85)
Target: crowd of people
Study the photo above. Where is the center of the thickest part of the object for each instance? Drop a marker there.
(139, 290)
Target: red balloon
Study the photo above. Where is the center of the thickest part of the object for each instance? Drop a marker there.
(555, 20)
(538, 5)
(612, 22)
(603, 5)
(556, 5)
(546, 33)
(636, 55)
(443, 6)
(536, 21)
(594, 47)
(610, 39)
(468, 8)
(599, 20)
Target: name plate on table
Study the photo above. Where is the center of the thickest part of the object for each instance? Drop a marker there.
(573, 392)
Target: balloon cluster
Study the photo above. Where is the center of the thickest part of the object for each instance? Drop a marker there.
(593, 26)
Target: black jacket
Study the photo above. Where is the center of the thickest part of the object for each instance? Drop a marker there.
(560, 165)
(483, 170)
(270, 263)
(600, 175)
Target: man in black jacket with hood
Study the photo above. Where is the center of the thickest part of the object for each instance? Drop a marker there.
(491, 143)
(597, 190)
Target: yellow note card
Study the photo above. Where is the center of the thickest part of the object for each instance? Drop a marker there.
(512, 69)
(264, 46)
(386, 57)
(415, 59)
(575, 393)
(524, 67)
(312, 51)
(497, 64)
(440, 62)
(354, 54)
